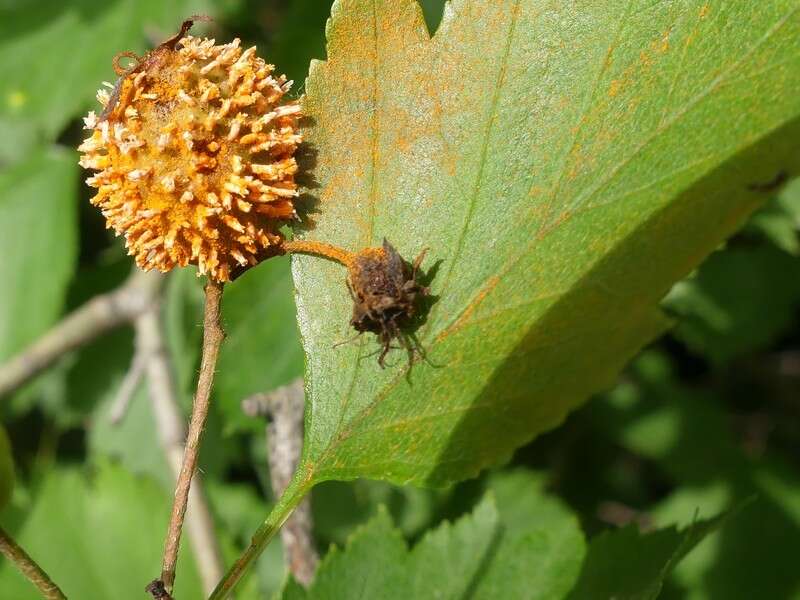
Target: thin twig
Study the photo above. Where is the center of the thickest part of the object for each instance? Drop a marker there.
(213, 335)
(151, 345)
(33, 572)
(284, 409)
(99, 315)
(127, 389)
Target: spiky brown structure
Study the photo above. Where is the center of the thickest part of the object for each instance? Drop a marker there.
(386, 294)
(195, 157)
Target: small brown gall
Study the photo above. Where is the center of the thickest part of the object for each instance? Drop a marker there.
(386, 296)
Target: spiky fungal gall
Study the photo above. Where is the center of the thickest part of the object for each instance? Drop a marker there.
(194, 153)
(387, 294)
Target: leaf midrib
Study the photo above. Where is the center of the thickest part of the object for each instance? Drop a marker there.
(374, 124)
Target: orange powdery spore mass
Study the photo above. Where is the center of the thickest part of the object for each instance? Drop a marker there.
(195, 157)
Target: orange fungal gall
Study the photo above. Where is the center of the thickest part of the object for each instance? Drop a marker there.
(194, 153)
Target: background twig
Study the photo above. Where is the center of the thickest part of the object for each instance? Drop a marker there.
(213, 334)
(99, 315)
(14, 553)
(284, 410)
(127, 388)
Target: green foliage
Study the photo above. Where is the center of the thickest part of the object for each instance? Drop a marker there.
(378, 564)
(739, 301)
(690, 437)
(522, 545)
(249, 325)
(6, 469)
(97, 536)
(628, 565)
(54, 55)
(551, 181)
(778, 221)
(535, 554)
(565, 165)
(38, 244)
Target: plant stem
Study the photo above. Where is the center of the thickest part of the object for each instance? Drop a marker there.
(213, 335)
(33, 572)
(330, 251)
(282, 510)
(151, 346)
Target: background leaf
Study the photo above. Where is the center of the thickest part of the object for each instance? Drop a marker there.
(104, 536)
(779, 220)
(532, 549)
(628, 565)
(690, 438)
(564, 164)
(739, 300)
(78, 40)
(37, 203)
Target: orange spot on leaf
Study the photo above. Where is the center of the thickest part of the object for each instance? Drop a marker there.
(463, 319)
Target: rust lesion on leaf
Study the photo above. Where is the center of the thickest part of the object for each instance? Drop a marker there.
(467, 313)
(661, 46)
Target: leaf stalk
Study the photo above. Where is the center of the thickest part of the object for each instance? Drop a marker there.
(283, 509)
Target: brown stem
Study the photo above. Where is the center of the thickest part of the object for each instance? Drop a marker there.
(33, 572)
(330, 251)
(170, 425)
(213, 334)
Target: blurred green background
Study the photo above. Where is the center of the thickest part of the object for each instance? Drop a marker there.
(706, 417)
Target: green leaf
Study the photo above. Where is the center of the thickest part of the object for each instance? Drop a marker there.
(779, 220)
(628, 565)
(565, 164)
(480, 556)
(38, 227)
(752, 556)
(339, 507)
(262, 350)
(237, 510)
(740, 300)
(6, 469)
(542, 546)
(97, 538)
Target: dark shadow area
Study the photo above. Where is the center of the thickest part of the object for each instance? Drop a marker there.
(754, 556)
(541, 380)
(306, 205)
(432, 9)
